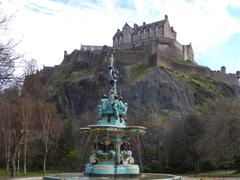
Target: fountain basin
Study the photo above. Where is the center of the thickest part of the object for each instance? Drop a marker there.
(81, 176)
(112, 170)
(112, 129)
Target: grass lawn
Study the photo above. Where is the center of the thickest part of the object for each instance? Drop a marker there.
(4, 174)
(216, 173)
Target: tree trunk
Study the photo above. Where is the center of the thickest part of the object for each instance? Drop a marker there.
(18, 160)
(6, 149)
(16, 148)
(45, 158)
(25, 156)
(44, 163)
(8, 152)
(157, 151)
(13, 170)
(8, 157)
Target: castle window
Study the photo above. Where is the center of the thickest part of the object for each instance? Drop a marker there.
(144, 31)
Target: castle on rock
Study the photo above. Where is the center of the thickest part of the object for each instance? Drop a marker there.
(156, 36)
(153, 44)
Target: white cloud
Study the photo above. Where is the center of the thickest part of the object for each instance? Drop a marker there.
(47, 28)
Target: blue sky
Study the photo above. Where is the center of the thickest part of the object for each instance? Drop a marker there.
(48, 27)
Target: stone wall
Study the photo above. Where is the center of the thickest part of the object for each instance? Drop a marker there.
(90, 47)
(131, 57)
(99, 58)
(162, 60)
(178, 45)
(92, 58)
(165, 56)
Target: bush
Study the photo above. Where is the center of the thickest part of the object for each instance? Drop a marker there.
(156, 167)
(208, 165)
(74, 160)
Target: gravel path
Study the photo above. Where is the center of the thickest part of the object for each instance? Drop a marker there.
(185, 178)
(28, 178)
(212, 178)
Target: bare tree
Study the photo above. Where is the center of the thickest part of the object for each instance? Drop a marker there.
(7, 53)
(50, 127)
(30, 67)
(5, 129)
(221, 140)
(11, 127)
(27, 106)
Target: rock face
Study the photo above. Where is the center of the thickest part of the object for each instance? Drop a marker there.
(151, 92)
(160, 93)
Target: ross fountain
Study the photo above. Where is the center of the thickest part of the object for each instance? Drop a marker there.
(112, 155)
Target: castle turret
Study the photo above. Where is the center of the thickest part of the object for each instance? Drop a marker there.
(65, 54)
(223, 69)
(166, 17)
(238, 74)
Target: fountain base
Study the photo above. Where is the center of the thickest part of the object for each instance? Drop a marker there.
(112, 170)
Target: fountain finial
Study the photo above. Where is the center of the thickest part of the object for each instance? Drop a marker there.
(113, 79)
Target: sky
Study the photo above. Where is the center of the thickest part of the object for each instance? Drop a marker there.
(45, 28)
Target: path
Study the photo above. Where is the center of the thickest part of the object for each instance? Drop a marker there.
(184, 178)
(28, 178)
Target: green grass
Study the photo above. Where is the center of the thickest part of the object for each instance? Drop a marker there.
(186, 62)
(4, 174)
(136, 71)
(196, 82)
(213, 174)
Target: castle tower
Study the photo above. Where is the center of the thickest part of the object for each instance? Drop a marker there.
(223, 69)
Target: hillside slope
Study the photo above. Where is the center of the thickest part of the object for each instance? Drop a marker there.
(151, 92)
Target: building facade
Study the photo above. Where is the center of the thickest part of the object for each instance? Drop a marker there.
(154, 37)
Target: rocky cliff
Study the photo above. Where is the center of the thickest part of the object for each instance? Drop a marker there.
(153, 93)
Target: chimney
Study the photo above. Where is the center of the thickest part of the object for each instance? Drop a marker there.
(135, 26)
(166, 17)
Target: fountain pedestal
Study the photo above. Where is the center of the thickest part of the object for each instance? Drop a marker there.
(112, 155)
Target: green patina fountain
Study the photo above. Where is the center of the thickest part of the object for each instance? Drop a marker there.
(112, 154)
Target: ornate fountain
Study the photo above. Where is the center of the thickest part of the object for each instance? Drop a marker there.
(112, 155)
